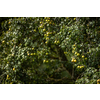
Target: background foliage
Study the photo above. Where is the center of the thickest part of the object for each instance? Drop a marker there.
(50, 50)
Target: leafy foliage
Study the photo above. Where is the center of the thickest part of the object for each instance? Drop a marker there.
(49, 50)
(89, 76)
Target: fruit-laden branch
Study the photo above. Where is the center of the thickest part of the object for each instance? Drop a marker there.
(61, 57)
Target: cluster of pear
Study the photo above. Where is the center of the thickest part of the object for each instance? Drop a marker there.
(80, 66)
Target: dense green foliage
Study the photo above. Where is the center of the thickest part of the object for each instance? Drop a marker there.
(50, 50)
